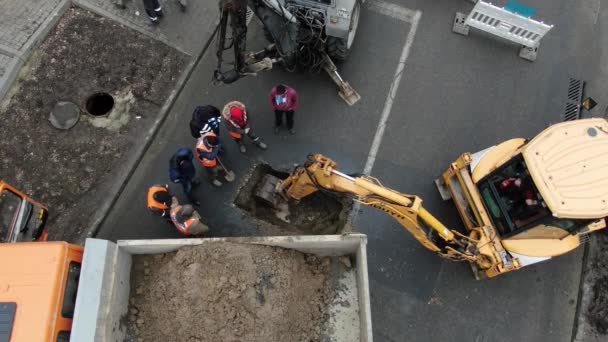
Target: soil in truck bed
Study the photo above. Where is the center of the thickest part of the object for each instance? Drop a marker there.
(230, 292)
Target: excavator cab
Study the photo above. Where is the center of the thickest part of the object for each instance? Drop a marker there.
(536, 199)
(21, 218)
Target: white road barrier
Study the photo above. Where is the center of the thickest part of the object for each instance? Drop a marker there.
(505, 24)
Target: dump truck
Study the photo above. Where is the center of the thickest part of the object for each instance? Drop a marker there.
(521, 201)
(21, 218)
(55, 291)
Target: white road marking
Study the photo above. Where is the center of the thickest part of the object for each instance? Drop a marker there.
(388, 104)
(412, 17)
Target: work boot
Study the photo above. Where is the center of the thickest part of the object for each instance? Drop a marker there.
(216, 183)
(261, 145)
(242, 148)
(183, 4)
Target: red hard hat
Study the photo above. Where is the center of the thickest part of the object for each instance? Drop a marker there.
(236, 112)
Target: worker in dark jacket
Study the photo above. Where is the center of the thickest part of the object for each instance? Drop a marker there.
(182, 171)
(205, 119)
(153, 10)
(237, 123)
(207, 148)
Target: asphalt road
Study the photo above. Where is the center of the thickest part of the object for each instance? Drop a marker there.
(456, 94)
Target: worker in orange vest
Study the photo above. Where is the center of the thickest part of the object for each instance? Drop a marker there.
(207, 148)
(159, 199)
(186, 219)
(237, 123)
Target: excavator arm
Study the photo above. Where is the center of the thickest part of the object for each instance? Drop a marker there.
(277, 21)
(320, 173)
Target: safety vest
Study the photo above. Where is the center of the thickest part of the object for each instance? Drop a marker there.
(154, 205)
(182, 227)
(200, 145)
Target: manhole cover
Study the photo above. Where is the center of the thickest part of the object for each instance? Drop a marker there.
(64, 115)
(99, 104)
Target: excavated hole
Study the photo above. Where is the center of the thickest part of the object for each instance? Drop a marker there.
(99, 104)
(318, 213)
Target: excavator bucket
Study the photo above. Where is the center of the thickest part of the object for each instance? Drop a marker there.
(266, 191)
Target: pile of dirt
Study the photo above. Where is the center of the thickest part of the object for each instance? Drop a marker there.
(72, 171)
(229, 292)
(318, 213)
(595, 306)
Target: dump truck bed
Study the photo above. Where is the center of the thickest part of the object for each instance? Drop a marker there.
(103, 292)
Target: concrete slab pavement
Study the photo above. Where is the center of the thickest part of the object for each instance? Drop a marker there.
(24, 24)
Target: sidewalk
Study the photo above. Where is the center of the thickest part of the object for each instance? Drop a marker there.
(184, 31)
(25, 23)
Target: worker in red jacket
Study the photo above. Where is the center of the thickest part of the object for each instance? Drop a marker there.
(237, 123)
(283, 100)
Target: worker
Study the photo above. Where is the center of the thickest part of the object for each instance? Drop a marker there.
(120, 4)
(182, 171)
(283, 100)
(186, 219)
(159, 199)
(205, 119)
(207, 148)
(522, 201)
(237, 122)
(153, 10)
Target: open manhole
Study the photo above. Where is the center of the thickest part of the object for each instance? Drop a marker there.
(99, 104)
(318, 213)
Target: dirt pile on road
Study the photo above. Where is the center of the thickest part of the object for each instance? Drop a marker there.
(229, 292)
(72, 171)
(596, 283)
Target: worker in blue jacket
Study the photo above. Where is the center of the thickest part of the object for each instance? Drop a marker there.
(182, 171)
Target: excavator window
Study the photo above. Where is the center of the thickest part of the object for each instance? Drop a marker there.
(9, 208)
(512, 199)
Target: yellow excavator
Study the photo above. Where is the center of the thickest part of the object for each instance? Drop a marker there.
(521, 201)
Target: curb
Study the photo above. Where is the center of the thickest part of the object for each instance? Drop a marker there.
(117, 189)
(21, 56)
(11, 73)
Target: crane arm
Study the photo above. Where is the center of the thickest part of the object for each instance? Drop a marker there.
(233, 18)
(320, 173)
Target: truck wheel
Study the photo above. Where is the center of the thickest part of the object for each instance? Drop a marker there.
(339, 48)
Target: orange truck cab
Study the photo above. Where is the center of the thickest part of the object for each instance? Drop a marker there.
(38, 286)
(21, 218)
